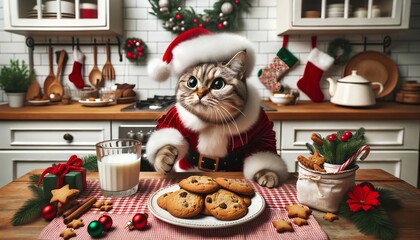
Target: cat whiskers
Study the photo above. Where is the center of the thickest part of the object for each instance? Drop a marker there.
(232, 121)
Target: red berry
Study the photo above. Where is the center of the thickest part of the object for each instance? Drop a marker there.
(344, 138)
(348, 134)
(331, 137)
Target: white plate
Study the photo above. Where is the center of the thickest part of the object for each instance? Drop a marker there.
(94, 103)
(254, 210)
(38, 102)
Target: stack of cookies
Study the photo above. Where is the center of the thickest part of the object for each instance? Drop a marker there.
(223, 198)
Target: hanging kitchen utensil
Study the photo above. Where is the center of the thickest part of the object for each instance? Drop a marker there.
(50, 77)
(55, 87)
(95, 75)
(108, 71)
(33, 90)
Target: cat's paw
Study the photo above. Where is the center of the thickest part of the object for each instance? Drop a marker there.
(267, 178)
(165, 158)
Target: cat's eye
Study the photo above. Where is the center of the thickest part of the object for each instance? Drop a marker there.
(192, 82)
(218, 83)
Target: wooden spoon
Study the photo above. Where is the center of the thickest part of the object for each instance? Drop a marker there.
(95, 75)
(55, 86)
(33, 90)
(50, 78)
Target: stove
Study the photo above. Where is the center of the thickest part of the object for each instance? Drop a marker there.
(156, 103)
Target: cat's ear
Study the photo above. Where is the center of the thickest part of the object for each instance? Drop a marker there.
(238, 63)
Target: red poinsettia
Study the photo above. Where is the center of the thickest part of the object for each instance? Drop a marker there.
(362, 197)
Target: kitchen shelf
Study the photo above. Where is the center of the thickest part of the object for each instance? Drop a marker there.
(32, 17)
(327, 16)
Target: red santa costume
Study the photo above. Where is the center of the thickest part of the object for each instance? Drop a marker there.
(247, 144)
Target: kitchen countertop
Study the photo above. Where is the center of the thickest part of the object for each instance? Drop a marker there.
(304, 110)
(406, 219)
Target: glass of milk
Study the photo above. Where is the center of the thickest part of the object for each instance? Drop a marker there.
(119, 166)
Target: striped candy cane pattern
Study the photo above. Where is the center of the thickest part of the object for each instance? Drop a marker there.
(364, 148)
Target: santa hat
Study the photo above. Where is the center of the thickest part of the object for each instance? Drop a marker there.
(199, 45)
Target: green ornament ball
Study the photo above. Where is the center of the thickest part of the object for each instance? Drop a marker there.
(95, 228)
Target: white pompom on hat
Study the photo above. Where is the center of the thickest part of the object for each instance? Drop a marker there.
(198, 45)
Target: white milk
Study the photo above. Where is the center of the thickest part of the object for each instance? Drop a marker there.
(119, 172)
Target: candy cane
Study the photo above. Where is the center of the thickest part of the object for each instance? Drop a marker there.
(365, 149)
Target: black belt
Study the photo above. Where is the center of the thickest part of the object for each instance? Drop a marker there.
(231, 162)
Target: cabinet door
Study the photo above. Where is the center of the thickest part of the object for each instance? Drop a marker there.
(347, 13)
(53, 135)
(15, 163)
(380, 134)
(402, 164)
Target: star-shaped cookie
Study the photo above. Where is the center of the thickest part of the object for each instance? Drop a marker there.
(76, 223)
(282, 226)
(67, 234)
(63, 194)
(298, 211)
(330, 217)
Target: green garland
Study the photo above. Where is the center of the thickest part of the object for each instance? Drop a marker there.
(376, 221)
(223, 17)
(32, 208)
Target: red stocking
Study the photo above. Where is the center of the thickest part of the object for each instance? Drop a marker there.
(318, 62)
(76, 74)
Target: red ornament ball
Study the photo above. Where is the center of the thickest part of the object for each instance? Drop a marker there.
(178, 16)
(140, 220)
(49, 212)
(200, 25)
(106, 222)
(220, 26)
(195, 20)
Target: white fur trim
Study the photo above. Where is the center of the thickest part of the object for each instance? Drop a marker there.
(265, 160)
(164, 137)
(211, 48)
(320, 59)
(158, 70)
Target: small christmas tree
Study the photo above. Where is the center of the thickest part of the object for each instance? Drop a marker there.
(339, 147)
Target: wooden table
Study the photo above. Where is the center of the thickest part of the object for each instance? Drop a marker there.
(407, 219)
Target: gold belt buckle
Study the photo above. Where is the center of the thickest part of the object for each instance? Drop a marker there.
(204, 165)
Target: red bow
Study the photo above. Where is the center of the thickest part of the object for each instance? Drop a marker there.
(74, 164)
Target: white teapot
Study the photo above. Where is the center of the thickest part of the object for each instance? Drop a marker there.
(353, 90)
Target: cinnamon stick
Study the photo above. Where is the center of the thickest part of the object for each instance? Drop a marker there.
(71, 210)
(80, 210)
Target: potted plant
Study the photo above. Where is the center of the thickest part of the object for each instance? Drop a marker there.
(15, 80)
(338, 147)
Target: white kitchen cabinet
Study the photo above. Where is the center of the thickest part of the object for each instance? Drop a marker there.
(394, 144)
(27, 145)
(313, 17)
(27, 17)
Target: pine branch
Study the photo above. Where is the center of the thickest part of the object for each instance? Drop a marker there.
(388, 200)
(35, 178)
(90, 163)
(31, 209)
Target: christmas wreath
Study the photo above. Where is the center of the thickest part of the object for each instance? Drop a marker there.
(367, 206)
(340, 50)
(223, 17)
(135, 50)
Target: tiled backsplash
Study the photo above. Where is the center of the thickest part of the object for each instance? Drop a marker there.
(259, 26)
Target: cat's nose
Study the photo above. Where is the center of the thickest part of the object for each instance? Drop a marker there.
(201, 92)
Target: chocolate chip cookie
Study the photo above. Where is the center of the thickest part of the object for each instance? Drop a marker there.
(236, 186)
(199, 184)
(161, 201)
(225, 205)
(184, 204)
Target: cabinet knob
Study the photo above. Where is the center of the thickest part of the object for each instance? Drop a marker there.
(68, 137)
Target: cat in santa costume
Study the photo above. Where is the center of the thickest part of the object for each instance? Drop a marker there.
(217, 123)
